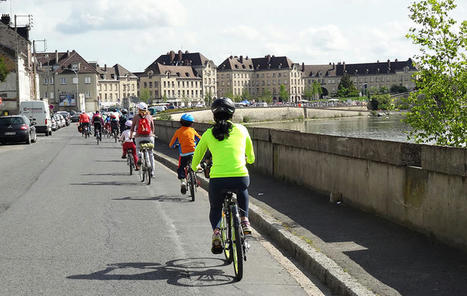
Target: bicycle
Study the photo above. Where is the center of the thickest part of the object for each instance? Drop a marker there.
(191, 180)
(115, 134)
(129, 160)
(232, 236)
(145, 171)
(98, 136)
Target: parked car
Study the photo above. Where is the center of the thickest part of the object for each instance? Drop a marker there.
(66, 116)
(54, 124)
(60, 120)
(17, 128)
(38, 112)
(75, 117)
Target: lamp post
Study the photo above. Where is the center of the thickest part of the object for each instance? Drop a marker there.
(77, 82)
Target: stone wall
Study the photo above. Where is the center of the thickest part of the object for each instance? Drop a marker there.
(419, 186)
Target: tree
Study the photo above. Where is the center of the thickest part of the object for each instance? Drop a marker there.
(283, 93)
(346, 87)
(145, 95)
(266, 96)
(317, 90)
(308, 94)
(439, 105)
(3, 70)
(208, 98)
(397, 89)
(164, 98)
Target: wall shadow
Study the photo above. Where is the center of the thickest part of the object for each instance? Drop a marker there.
(159, 198)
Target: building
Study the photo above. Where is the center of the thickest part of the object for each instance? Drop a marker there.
(115, 84)
(194, 77)
(373, 75)
(238, 76)
(175, 84)
(21, 81)
(68, 81)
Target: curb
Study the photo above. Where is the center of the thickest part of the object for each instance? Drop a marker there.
(313, 261)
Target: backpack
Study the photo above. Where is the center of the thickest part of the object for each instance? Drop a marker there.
(144, 127)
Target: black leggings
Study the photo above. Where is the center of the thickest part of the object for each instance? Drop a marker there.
(217, 188)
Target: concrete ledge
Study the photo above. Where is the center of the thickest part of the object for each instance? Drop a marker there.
(313, 261)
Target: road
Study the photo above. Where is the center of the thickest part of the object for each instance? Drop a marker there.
(73, 222)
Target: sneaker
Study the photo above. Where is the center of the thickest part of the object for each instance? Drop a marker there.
(183, 187)
(123, 156)
(246, 227)
(216, 243)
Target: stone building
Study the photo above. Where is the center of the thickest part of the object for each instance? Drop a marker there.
(180, 68)
(21, 82)
(258, 76)
(374, 75)
(66, 76)
(115, 84)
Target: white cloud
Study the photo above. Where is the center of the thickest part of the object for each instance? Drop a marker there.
(122, 15)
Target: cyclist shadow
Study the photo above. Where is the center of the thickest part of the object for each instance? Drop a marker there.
(159, 198)
(190, 272)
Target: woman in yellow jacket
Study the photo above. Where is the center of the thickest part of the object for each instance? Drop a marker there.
(228, 143)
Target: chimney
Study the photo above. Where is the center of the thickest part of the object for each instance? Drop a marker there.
(396, 61)
(172, 56)
(68, 53)
(6, 19)
(56, 57)
(105, 67)
(241, 59)
(303, 67)
(180, 55)
(268, 57)
(343, 64)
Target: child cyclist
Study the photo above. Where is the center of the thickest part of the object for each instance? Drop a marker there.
(128, 143)
(186, 138)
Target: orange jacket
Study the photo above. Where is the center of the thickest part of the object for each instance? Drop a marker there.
(187, 138)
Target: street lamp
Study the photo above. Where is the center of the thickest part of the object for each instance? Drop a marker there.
(77, 82)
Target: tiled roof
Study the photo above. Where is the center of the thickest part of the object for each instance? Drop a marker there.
(374, 68)
(65, 61)
(179, 71)
(319, 70)
(182, 59)
(236, 63)
(272, 63)
(112, 73)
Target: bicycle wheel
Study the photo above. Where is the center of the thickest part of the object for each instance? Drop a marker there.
(97, 139)
(142, 168)
(226, 237)
(130, 163)
(148, 168)
(237, 248)
(192, 184)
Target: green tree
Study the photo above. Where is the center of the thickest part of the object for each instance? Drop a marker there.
(317, 90)
(283, 93)
(208, 98)
(308, 93)
(439, 106)
(3, 70)
(145, 95)
(246, 95)
(397, 89)
(164, 98)
(346, 88)
(266, 96)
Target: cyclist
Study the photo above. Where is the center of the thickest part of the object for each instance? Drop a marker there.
(127, 143)
(98, 122)
(123, 119)
(228, 143)
(143, 128)
(186, 138)
(84, 121)
(114, 124)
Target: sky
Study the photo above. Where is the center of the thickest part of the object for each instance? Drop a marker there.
(135, 33)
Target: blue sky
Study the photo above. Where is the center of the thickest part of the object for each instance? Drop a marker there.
(135, 33)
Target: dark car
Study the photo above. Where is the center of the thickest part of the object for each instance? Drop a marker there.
(75, 117)
(17, 128)
(66, 116)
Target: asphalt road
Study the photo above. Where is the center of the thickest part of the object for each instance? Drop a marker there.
(73, 222)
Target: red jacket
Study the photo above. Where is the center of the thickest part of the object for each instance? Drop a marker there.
(84, 118)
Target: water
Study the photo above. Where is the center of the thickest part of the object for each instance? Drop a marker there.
(372, 127)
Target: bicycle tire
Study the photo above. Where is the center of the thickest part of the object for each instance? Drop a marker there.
(226, 237)
(148, 168)
(237, 247)
(142, 168)
(130, 163)
(192, 184)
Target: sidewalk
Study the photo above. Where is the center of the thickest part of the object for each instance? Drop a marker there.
(384, 257)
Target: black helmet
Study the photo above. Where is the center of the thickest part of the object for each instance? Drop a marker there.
(124, 111)
(223, 105)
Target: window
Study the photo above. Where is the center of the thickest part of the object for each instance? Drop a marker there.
(145, 84)
(51, 95)
(87, 94)
(150, 86)
(87, 80)
(46, 81)
(62, 80)
(173, 83)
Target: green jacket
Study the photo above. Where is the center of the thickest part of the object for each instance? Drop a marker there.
(228, 155)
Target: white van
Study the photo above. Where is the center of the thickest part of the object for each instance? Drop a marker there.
(38, 112)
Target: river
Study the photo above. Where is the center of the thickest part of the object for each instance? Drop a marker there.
(372, 127)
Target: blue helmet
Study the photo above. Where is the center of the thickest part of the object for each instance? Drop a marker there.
(187, 117)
